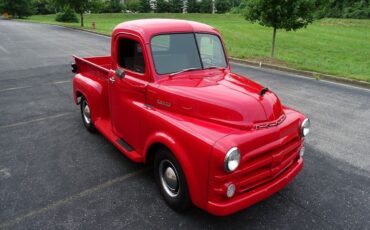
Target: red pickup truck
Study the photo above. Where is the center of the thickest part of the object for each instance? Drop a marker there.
(167, 97)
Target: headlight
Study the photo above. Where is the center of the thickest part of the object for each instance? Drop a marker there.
(232, 159)
(305, 127)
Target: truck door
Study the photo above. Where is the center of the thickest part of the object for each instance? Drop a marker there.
(127, 90)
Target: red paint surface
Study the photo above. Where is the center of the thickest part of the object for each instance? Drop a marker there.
(199, 116)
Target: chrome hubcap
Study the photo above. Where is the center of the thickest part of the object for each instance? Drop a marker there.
(169, 178)
(86, 113)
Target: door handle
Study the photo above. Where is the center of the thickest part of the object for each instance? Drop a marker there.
(111, 79)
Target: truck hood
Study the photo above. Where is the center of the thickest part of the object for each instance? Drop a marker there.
(220, 97)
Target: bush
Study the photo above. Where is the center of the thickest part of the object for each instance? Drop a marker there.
(205, 6)
(113, 6)
(145, 6)
(133, 5)
(68, 15)
(17, 8)
(359, 10)
(163, 6)
(175, 6)
(193, 6)
(342, 9)
(223, 6)
(43, 7)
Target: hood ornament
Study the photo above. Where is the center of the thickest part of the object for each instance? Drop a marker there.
(263, 91)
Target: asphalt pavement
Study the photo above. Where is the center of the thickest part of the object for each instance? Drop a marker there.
(56, 175)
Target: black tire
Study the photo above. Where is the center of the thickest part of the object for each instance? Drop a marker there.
(181, 200)
(86, 118)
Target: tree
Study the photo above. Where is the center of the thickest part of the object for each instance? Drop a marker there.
(17, 8)
(163, 6)
(360, 9)
(193, 6)
(205, 6)
(223, 6)
(280, 14)
(133, 5)
(79, 6)
(44, 7)
(114, 6)
(145, 6)
(175, 6)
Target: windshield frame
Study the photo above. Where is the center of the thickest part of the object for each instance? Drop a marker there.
(197, 46)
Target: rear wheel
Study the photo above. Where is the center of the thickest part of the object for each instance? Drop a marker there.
(171, 180)
(86, 115)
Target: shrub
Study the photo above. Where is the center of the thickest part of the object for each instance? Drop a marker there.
(193, 6)
(205, 6)
(113, 6)
(133, 5)
(163, 6)
(359, 10)
(68, 15)
(223, 6)
(145, 6)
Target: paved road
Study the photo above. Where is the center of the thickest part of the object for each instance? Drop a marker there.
(54, 174)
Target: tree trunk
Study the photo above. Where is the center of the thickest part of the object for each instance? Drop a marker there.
(213, 7)
(273, 43)
(82, 19)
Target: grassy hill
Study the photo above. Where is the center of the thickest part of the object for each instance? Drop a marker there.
(334, 46)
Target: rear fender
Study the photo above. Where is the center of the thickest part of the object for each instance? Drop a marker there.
(93, 92)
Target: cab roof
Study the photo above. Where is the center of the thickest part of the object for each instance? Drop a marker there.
(146, 28)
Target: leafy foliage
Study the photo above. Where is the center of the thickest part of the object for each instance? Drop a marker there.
(17, 8)
(193, 6)
(175, 6)
(113, 6)
(79, 6)
(44, 7)
(343, 9)
(223, 6)
(205, 6)
(280, 14)
(145, 6)
(68, 15)
(133, 5)
(163, 6)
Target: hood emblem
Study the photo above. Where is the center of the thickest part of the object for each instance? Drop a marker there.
(271, 124)
(263, 91)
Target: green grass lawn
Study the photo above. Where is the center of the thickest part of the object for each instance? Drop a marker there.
(334, 46)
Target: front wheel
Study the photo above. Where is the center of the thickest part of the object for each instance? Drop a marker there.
(171, 180)
(86, 115)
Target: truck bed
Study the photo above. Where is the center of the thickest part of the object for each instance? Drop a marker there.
(97, 66)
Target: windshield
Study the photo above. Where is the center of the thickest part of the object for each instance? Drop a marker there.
(177, 52)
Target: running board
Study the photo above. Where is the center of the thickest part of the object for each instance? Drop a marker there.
(105, 128)
(124, 144)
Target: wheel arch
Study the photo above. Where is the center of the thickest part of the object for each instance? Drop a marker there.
(162, 140)
(78, 95)
(94, 92)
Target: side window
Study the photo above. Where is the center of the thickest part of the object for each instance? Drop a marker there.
(130, 55)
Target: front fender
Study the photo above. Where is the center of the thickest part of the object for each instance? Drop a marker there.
(195, 176)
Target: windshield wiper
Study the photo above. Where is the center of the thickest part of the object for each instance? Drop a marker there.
(183, 70)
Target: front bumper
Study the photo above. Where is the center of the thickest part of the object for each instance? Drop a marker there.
(249, 198)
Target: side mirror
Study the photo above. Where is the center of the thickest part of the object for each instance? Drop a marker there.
(120, 73)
